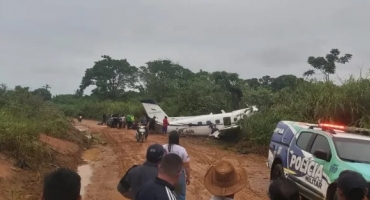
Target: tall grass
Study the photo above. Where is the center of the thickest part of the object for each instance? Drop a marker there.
(94, 109)
(347, 104)
(23, 116)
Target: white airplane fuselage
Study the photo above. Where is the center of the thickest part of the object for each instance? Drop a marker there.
(196, 125)
(200, 125)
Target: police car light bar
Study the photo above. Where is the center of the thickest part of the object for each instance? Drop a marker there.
(362, 131)
(332, 126)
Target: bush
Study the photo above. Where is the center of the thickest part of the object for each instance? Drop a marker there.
(23, 117)
(94, 109)
(347, 104)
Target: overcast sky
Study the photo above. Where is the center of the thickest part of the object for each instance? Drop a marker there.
(53, 42)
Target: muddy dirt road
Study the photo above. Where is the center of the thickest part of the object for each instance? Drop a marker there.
(109, 162)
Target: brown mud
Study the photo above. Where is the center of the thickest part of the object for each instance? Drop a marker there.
(109, 162)
(105, 164)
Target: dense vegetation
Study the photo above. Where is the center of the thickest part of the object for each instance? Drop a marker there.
(119, 87)
(24, 114)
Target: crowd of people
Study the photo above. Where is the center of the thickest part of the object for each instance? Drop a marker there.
(166, 172)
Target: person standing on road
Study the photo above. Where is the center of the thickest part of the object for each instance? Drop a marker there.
(151, 125)
(162, 187)
(62, 184)
(143, 121)
(173, 146)
(165, 125)
(137, 175)
(104, 118)
(123, 121)
(129, 122)
(223, 180)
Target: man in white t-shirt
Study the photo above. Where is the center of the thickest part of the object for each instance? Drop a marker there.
(123, 120)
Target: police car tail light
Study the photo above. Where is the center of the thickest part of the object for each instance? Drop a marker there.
(332, 126)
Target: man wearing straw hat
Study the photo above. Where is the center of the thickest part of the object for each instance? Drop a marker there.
(224, 180)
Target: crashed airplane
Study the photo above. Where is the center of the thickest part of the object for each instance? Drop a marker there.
(213, 125)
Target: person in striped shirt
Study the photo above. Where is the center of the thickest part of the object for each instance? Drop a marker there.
(162, 188)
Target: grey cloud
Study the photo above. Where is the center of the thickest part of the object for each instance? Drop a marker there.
(54, 42)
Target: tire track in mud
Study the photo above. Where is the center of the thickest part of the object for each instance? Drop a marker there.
(122, 151)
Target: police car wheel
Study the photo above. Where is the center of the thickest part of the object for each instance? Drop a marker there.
(277, 171)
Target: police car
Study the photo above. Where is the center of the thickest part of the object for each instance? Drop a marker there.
(313, 155)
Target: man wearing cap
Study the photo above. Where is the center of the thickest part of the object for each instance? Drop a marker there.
(163, 186)
(224, 180)
(351, 185)
(137, 175)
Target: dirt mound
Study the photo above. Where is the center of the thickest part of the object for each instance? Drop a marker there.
(6, 168)
(16, 183)
(61, 146)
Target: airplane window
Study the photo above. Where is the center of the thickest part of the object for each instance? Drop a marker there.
(235, 119)
(190, 124)
(199, 123)
(208, 122)
(218, 121)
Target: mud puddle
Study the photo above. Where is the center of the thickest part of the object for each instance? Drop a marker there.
(86, 172)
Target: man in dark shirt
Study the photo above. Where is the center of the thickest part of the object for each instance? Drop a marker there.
(163, 186)
(104, 118)
(137, 175)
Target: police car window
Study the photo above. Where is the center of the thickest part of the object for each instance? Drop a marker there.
(320, 143)
(354, 150)
(303, 140)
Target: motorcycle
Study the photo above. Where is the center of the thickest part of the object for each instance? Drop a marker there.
(80, 118)
(140, 134)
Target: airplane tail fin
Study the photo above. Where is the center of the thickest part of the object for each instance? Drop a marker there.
(152, 109)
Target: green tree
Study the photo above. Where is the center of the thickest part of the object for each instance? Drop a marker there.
(21, 89)
(160, 78)
(253, 83)
(110, 76)
(285, 81)
(230, 83)
(46, 86)
(200, 96)
(43, 93)
(78, 93)
(327, 65)
(265, 80)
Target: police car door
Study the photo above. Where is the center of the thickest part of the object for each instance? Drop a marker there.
(316, 176)
(299, 156)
